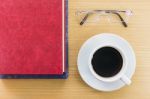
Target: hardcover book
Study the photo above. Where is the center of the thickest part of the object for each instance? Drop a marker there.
(33, 39)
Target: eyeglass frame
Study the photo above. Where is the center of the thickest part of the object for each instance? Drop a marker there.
(116, 12)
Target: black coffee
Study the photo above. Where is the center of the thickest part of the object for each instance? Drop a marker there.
(107, 62)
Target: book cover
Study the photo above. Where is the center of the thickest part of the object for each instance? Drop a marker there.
(33, 39)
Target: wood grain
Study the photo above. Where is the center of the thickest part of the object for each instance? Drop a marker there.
(74, 88)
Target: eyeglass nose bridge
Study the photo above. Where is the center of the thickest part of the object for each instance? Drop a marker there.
(104, 16)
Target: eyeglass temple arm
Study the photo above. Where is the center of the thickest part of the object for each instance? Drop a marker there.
(122, 20)
(84, 19)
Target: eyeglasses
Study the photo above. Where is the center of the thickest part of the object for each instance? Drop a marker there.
(110, 15)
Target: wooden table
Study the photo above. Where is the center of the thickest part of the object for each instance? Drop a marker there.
(74, 88)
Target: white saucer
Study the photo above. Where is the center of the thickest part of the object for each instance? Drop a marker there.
(84, 55)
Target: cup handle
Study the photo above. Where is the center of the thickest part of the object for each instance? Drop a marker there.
(126, 80)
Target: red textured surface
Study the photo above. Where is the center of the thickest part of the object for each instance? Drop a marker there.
(31, 37)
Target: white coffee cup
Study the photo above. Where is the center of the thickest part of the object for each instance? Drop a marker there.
(120, 75)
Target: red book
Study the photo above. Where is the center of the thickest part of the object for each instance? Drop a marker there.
(33, 38)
